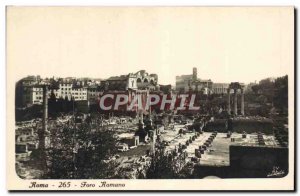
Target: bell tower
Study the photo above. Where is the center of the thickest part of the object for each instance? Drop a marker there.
(195, 73)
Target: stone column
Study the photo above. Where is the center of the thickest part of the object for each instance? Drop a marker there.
(235, 102)
(228, 101)
(43, 131)
(242, 102)
(153, 142)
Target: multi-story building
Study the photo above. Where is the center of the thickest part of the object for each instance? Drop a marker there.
(27, 91)
(32, 95)
(70, 90)
(79, 93)
(93, 93)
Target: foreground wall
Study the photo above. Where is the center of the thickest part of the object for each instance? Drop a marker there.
(258, 158)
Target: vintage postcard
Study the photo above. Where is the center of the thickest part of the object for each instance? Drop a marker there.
(150, 98)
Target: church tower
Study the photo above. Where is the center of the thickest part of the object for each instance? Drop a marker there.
(195, 74)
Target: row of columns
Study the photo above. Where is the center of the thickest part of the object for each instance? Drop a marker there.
(235, 111)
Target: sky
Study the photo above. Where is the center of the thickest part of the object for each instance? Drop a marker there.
(243, 44)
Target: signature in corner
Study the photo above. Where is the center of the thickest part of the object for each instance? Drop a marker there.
(276, 172)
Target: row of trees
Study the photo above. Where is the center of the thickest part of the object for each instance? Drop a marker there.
(273, 92)
(55, 107)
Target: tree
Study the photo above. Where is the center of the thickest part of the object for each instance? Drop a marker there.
(60, 104)
(166, 166)
(281, 94)
(89, 159)
(79, 153)
(71, 104)
(255, 89)
(52, 105)
(161, 167)
(65, 104)
(267, 87)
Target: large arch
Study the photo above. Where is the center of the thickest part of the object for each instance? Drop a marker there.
(152, 81)
(138, 80)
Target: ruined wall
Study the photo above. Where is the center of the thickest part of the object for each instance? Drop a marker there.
(251, 125)
(240, 125)
(219, 125)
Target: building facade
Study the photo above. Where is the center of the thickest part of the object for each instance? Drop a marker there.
(140, 80)
(220, 88)
(32, 95)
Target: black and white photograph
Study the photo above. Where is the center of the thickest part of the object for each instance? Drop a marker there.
(122, 98)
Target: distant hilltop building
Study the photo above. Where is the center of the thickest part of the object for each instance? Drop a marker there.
(186, 83)
(191, 82)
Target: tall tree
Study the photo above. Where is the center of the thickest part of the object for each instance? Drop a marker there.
(79, 153)
(52, 105)
(165, 166)
(60, 104)
(281, 94)
(65, 104)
